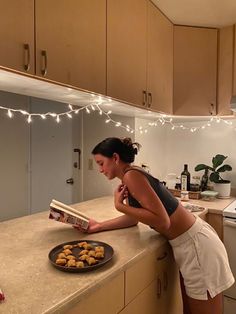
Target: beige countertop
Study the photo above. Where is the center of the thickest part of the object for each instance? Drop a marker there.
(215, 207)
(32, 285)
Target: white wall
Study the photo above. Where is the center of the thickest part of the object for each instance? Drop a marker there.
(177, 147)
(95, 130)
(153, 150)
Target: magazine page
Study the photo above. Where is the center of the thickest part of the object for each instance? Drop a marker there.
(65, 217)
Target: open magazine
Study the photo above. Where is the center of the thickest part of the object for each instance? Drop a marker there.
(64, 213)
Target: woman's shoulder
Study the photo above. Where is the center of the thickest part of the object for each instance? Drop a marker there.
(134, 172)
(135, 168)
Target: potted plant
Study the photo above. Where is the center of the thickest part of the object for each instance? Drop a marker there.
(222, 186)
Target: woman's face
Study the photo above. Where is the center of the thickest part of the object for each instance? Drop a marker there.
(107, 166)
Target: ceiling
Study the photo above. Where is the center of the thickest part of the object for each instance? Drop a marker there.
(207, 13)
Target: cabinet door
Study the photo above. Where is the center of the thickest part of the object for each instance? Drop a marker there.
(160, 61)
(142, 273)
(171, 299)
(126, 49)
(148, 302)
(225, 70)
(195, 68)
(107, 299)
(17, 35)
(71, 42)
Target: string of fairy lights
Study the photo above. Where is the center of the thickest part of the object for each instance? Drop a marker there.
(74, 110)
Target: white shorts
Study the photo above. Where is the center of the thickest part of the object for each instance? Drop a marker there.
(202, 260)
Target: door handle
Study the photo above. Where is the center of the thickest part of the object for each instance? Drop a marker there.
(77, 164)
(70, 181)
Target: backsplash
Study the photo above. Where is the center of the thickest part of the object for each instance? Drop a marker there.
(166, 150)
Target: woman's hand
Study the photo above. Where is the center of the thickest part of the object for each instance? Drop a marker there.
(120, 194)
(94, 226)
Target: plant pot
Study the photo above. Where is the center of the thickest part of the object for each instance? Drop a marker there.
(223, 189)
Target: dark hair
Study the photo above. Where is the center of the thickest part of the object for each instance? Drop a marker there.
(123, 147)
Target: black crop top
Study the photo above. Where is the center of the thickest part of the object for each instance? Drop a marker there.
(168, 200)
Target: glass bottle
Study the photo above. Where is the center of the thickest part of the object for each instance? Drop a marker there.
(185, 179)
(204, 180)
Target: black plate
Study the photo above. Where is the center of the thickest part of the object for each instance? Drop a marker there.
(57, 249)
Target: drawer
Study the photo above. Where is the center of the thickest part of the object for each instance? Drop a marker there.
(147, 269)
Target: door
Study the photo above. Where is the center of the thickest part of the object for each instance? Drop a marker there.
(71, 42)
(126, 49)
(53, 157)
(160, 60)
(195, 70)
(14, 152)
(17, 35)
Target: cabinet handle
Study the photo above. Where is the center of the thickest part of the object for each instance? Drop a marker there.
(165, 279)
(149, 100)
(26, 57)
(212, 109)
(45, 60)
(144, 98)
(159, 258)
(158, 288)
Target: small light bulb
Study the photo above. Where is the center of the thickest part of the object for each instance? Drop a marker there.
(29, 118)
(58, 119)
(87, 110)
(43, 116)
(10, 114)
(69, 115)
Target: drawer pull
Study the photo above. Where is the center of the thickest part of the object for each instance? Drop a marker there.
(158, 288)
(26, 57)
(149, 100)
(45, 62)
(144, 98)
(159, 258)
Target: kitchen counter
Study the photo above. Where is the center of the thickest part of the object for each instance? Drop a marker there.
(32, 285)
(216, 206)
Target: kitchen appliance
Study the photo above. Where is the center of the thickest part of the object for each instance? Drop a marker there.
(229, 240)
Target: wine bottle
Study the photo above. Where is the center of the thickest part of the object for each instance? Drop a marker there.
(185, 179)
(204, 180)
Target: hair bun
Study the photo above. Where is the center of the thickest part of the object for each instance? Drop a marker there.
(133, 146)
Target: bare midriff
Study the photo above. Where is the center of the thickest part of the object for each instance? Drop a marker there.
(180, 221)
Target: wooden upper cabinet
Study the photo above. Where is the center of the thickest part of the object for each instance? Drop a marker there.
(225, 70)
(126, 49)
(234, 64)
(160, 60)
(195, 70)
(17, 35)
(71, 42)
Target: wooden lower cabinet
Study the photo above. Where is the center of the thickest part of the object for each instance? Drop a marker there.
(149, 286)
(109, 298)
(216, 221)
(152, 285)
(146, 302)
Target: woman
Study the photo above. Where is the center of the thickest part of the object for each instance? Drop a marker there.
(198, 251)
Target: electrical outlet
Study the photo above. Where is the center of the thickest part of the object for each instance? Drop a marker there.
(90, 164)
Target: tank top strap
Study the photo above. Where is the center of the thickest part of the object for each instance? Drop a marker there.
(135, 168)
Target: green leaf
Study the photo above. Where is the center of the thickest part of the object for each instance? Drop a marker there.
(214, 177)
(218, 160)
(224, 168)
(202, 167)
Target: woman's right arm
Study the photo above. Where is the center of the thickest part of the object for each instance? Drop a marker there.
(120, 222)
